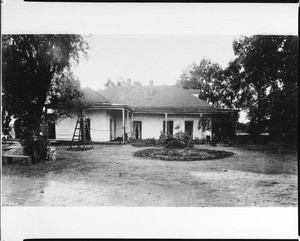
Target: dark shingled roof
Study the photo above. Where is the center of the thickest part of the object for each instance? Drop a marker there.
(92, 97)
(171, 99)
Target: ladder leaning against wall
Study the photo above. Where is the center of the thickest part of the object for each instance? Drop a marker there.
(81, 132)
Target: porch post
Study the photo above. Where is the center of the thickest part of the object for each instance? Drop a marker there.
(128, 125)
(131, 128)
(166, 123)
(123, 124)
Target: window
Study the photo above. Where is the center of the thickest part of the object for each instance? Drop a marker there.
(169, 127)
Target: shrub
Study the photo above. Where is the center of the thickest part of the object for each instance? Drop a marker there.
(145, 142)
(214, 141)
(118, 138)
(151, 141)
(179, 140)
(227, 140)
(199, 141)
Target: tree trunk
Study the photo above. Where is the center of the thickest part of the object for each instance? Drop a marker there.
(36, 145)
(35, 142)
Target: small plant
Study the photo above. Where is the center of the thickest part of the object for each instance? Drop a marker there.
(118, 138)
(177, 127)
(229, 141)
(179, 140)
(214, 141)
(151, 141)
(145, 142)
(199, 141)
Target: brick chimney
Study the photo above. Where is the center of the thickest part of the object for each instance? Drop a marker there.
(150, 92)
(129, 83)
(151, 82)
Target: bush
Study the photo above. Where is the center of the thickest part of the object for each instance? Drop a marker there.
(145, 142)
(228, 141)
(214, 141)
(199, 141)
(179, 140)
(151, 141)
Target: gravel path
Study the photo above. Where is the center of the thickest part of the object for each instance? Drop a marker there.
(109, 175)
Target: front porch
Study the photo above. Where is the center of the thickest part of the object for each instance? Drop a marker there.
(105, 124)
(120, 125)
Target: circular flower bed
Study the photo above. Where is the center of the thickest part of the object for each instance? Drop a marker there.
(182, 154)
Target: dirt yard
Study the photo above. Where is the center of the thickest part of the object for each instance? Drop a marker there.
(109, 175)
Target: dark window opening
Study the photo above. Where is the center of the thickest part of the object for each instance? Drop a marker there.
(169, 127)
(188, 127)
(51, 130)
(137, 129)
(87, 130)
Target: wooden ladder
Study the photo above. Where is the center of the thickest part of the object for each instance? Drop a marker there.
(79, 135)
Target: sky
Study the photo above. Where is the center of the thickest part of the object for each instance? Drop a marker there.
(161, 58)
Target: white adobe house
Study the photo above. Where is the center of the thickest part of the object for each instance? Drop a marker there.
(139, 112)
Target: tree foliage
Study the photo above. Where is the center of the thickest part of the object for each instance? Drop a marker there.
(262, 80)
(36, 75)
(267, 82)
(208, 77)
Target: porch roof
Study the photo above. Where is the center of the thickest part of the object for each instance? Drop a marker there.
(92, 98)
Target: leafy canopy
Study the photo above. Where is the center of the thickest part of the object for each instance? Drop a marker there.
(36, 75)
(262, 80)
(34, 66)
(208, 77)
(267, 81)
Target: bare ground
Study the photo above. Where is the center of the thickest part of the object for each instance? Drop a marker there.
(112, 176)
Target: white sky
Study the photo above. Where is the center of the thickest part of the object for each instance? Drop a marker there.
(161, 58)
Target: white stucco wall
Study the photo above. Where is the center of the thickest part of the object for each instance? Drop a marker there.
(152, 125)
(99, 126)
(64, 128)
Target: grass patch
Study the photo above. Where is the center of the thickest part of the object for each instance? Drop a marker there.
(192, 154)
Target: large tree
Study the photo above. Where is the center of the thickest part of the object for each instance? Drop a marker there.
(267, 81)
(208, 77)
(36, 76)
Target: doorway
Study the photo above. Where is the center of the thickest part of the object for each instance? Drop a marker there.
(170, 125)
(137, 129)
(87, 130)
(188, 127)
(111, 131)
